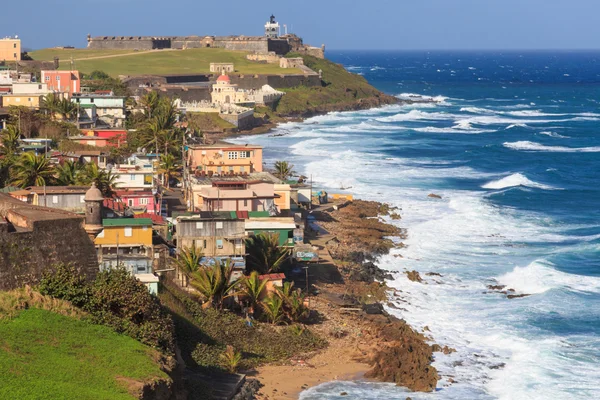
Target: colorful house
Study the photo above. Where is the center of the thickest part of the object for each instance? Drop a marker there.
(127, 242)
(223, 158)
(102, 137)
(110, 109)
(68, 198)
(25, 100)
(10, 49)
(67, 82)
(139, 201)
(283, 227)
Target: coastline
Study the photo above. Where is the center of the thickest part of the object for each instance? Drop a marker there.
(362, 337)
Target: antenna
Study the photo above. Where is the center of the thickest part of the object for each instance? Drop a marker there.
(285, 28)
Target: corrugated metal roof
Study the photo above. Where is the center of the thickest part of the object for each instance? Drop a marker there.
(260, 225)
(127, 222)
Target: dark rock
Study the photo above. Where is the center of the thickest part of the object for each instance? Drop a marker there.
(434, 274)
(496, 287)
(497, 366)
(448, 350)
(516, 296)
(414, 276)
(369, 272)
(344, 394)
(434, 196)
(249, 390)
(373, 309)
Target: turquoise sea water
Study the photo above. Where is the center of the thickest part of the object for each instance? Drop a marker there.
(512, 144)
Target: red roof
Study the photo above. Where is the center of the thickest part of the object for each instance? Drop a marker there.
(136, 193)
(223, 78)
(114, 205)
(242, 214)
(4, 89)
(272, 277)
(156, 219)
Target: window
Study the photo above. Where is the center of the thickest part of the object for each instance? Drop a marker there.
(245, 203)
(130, 202)
(15, 55)
(58, 77)
(204, 243)
(29, 99)
(132, 177)
(147, 179)
(232, 155)
(144, 201)
(230, 169)
(14, 45)
(219, 170)
(219, 243)
(40, 87)
(242, 169)
(244, 154)
(219, 225)
(238, 243)
(82, 199)
(145, 228)
(91, 100)
(47, 78)
(128, 231)
(200, 225)
(54, 199)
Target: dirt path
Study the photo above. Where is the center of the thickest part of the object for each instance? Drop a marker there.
(121, 55)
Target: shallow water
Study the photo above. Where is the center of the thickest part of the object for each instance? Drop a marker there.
(512, 146)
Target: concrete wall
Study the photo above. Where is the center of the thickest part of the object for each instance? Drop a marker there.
(44, 238)
(204, 235)
(276, 81)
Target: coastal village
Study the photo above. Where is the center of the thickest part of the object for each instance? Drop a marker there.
(124, 186)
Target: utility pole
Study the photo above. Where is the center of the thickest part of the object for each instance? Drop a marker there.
(117, 249)
(45, 158)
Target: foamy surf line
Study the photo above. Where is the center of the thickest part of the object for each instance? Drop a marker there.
(533, 146)
(514, 180)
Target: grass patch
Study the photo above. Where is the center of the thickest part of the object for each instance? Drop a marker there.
(158, 62)
(44, 355)
(208, 122)
(339, 87)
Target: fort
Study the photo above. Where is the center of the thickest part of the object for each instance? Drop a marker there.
(271, 42)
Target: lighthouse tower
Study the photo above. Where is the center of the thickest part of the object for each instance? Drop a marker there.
(272, 28)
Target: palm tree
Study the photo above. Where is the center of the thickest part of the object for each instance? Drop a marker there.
(293, 301)
(105, 180)
(283, 170)
(149, 103)
(31, 170)
(273, 309)
(253, 286)
(215, 282)
(264, 253)
(51, 104)
(168, 167)
(188, 262)
(66, 109)
(66, 174)
(10, 138)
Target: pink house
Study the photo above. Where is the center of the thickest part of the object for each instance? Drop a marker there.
(62, 81)
(139, 201)
(253, 193)
(223, 158)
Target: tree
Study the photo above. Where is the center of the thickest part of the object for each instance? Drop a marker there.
(105, 180)
(273, 309)
(149, 103)
(31, 170)
(264, 253)
(230, 359)
(66, 173)
(188, 262)
(215, 282)
(168, 167)
(253, 286)
(51, 104)
(283, 170)
(293, 301)
(10, 137)
(67, 109)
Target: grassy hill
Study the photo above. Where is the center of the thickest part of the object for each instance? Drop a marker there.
(159, 62)
(44, 355)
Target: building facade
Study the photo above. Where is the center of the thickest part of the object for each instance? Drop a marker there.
(110, 109)
(10, 49)
(67, 82)
(225, 158)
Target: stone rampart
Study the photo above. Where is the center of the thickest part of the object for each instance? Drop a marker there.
(33, 239)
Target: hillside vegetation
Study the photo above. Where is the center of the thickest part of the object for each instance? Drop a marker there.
(45, 355)
(157, 62)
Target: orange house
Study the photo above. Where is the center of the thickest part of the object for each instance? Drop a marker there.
(225, 158)
(62, 81)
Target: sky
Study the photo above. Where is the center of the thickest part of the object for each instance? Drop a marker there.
(339, 24)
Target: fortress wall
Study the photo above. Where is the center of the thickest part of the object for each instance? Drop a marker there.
(276, 81)
(121, 44)
(45, 238)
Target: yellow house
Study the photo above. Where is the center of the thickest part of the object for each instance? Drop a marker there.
(283, 201)
(10, 49)
(25, 100)
(125, 232)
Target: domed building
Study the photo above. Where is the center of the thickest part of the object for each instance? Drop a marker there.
(225, 92)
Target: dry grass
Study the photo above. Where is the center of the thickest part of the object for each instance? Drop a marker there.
(15, 301)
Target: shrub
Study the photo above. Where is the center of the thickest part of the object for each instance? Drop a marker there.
(66, 283)
(230, 359)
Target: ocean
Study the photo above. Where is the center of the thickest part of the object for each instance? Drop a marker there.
(511, 141)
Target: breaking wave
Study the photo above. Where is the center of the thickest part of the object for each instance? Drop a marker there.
(513, 180)
(526, 145)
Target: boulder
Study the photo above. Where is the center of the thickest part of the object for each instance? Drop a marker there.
(434, 196)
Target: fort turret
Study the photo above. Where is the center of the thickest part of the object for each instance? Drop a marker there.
(93, 211)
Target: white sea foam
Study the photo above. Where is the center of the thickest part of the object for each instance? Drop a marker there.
(516, 126)
(417, 115)
(533, 146)
(517, 179)
(541, 276)
(554, 135)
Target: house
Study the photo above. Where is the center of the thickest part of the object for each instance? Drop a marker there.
(10, 49)
(87, 116)
(223, 157)
(68, 198)
(137, 173)
(25, 100)
(127, 242)
(139, 201)
(219, 236)
(101, 137)
(254, 192)
(282, 226)
(67, 82)
(30, 88)
(110, 109)
(36, 145)
(97, 157)
(273, 282)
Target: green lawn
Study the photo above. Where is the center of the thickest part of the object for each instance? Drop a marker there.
(49, 356)
(159, 62)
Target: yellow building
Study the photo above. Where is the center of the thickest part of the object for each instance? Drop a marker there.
(10, 49)
(25, 100)
(283, 190)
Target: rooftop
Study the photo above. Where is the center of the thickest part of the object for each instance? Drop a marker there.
(254, 177)
(59, 189)
(127, 222)
(222, 144)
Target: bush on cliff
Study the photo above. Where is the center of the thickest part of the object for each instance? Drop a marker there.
(338, 87)
(203, 334)
(115, 299)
